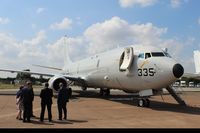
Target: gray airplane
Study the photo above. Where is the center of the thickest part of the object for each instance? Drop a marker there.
(196, 75)
(144, 70)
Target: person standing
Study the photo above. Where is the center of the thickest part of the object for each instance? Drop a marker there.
(46, 100)
(19, 103)
(63, 97)
(27, 96)
(32, 99)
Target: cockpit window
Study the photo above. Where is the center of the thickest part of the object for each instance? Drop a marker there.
(157, 54)
(147, 55)
(141, 56)
(153, 54)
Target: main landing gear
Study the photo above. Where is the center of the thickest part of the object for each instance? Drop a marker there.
(143, 102)
(83, 88)
(104, 92)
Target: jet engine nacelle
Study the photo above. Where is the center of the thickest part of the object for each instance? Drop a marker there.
(55, 81)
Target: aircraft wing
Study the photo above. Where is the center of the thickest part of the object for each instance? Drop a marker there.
(29, 72)
(77, 78)
(47, 67)
(197, 67)
(192, 75)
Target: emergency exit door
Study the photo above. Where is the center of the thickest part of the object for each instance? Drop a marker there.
(126, 59)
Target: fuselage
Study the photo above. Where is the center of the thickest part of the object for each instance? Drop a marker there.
(146, 67)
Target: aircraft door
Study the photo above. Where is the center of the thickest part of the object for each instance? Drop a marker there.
(126, 59)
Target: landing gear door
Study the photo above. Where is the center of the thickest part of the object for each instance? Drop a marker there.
(126, 59)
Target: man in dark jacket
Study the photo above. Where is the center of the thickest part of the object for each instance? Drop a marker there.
(32, 115)
(63, 97)
(46, 100)
(27, 96)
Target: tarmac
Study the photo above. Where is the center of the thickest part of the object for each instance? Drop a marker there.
(120, 110)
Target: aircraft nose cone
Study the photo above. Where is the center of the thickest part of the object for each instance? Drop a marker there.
(178, 70)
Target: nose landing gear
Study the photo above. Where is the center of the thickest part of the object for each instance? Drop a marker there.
(144, 102)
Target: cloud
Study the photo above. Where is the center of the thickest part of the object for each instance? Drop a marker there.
(40, 10)
(110, 33)
(113, 32)
(36, 50)
(21, 55)
(142, 3)
(146, 3)
(9, 52)
(8, 45)
(25, 50)
(4, 20)
(175, 3)
(65, 24)
(77, 50)
(41, 35)
(96, 38)
(33, 48)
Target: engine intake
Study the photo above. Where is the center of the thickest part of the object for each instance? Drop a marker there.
(55, 81)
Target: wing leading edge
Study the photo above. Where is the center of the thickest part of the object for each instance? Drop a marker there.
(29, 72)
(77, 79)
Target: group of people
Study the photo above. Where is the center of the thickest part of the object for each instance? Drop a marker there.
(24, 101)
(25, 97)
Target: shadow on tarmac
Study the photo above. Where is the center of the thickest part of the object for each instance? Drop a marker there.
(128, 99)
(64, 122)
(154, 105)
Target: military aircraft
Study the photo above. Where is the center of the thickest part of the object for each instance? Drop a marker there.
(144, 70)
(196, 75)
(197, 61)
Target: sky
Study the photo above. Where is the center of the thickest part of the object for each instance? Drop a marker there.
(31, 32)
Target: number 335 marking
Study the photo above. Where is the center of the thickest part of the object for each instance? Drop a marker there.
(146, 72)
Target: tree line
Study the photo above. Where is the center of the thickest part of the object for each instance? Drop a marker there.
(21, 78)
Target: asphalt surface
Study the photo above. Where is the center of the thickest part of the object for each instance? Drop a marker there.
(89, 110)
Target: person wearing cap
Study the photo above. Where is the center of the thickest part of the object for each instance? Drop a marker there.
(63, 97)
(46, 100)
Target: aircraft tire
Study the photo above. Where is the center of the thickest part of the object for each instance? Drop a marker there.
(84, 88)
(104, 92)
(141, 103)
(107, 92)
(147, 102)
(101, 92)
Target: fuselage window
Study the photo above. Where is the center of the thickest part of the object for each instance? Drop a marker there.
(157, 54)
(141, 56)
(147, 55)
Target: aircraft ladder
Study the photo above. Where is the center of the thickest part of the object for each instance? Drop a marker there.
(176, 96)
